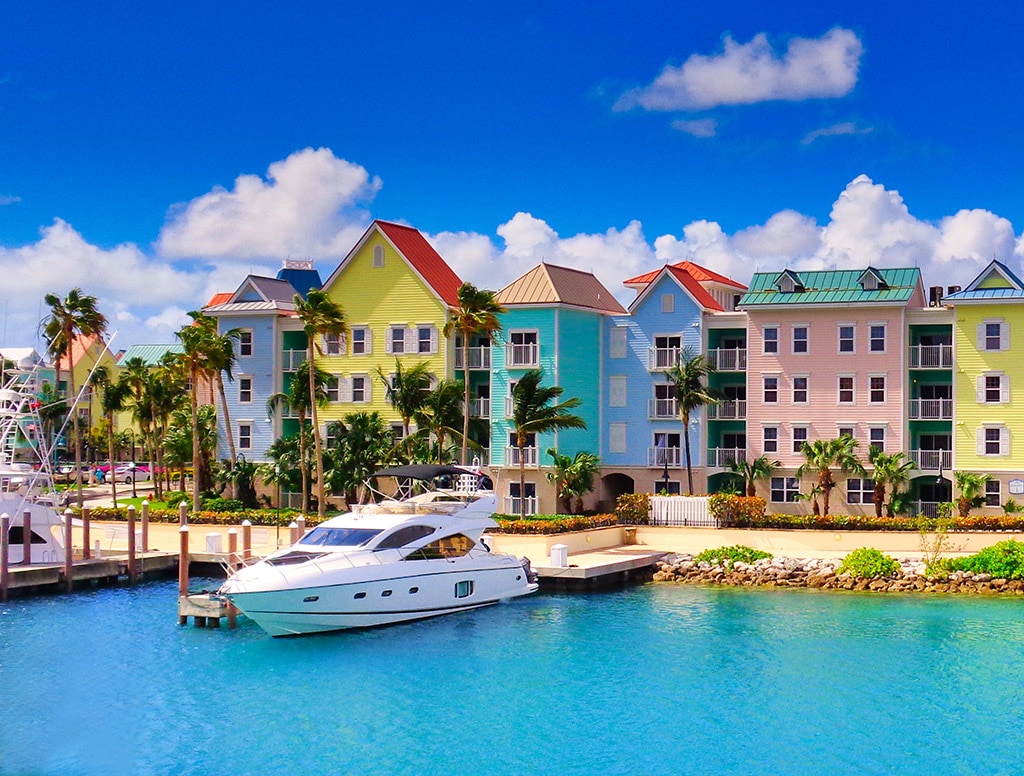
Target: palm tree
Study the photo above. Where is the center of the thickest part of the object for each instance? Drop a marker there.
(297, 399)
(533, 413)
(407, 390)
(441, 414)
(221, 360)
(972, 491)
(201, 346)
(73, 316)
(477, 313)
(890, 470)
(364, 444)
(573, 477)
(689, 376)
(112, 401)
(824, 455)
(320, 316)
(761, 468)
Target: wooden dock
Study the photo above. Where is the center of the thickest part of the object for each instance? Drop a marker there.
(600, 568)
(40, 577)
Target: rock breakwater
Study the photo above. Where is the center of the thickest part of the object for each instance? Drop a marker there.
(823, 574)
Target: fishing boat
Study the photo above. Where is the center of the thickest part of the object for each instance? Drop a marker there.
(420, 554)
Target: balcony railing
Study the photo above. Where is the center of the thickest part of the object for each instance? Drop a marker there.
(659, 456)
(931, 356)
(728, 359)
(927, 508)
(728, 410)
(932, 460)
(529, 456)
(721, 457)
(479, 408)
(479, 358)
(663, 358)
(931, 409)
(662, 408)
(290, 359)
(525, 356)
(513, 503)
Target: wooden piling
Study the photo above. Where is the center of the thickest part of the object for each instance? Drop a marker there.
(145, 526)
(132, 572)
(183, 514)
(182, 569)
(5, 546)
(232, 565)
(302, 526)
(293, 531)
(246, 541)
(86, 549)
(69, 552)
(26, 538)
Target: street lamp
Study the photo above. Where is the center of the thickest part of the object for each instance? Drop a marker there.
(277, 482)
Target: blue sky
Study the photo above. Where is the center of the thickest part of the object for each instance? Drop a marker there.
(154, 155)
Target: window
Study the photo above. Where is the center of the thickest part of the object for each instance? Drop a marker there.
(245, 436)
(529, 492)
(800, 344)
(849, 431)
(876, 338)
(464, 588)
(522, 350)
(860, 491)
(333, 388)
(334, 345)
(667, 350)
(378, 256)
(397, 339)
(993, 440)
(426, 339)
(770, 439)
(670, 488)
(617, 391)
(800, 389)
(617, 342)
(668, 303)
(799, 438)
(616, 437)
(664, 401)
(876, 438)
(397, 431)
(994, 334)
(876, 392)
(784, 489)
(846, 389)
(771, 390)
(360, 389)
(244, 389)
(771, 339)
(245, 342)
(403, 536)
(360, 341)
(993, 388)
(992, 495)
(666, 448)
(847, 334)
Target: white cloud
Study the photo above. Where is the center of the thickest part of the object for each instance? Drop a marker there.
(697, 127)
(4, 200)
(309, 206)
(746, 73)
(842, 128)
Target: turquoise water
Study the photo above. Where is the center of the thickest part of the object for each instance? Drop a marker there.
(656, 679)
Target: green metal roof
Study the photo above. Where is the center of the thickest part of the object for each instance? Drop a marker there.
(150, 354)
(831, 287)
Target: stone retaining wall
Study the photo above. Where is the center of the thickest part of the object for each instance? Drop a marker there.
(821, 573)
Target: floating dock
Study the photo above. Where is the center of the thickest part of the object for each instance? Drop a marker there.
(599, 568)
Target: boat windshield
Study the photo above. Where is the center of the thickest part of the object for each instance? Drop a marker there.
(339, 537)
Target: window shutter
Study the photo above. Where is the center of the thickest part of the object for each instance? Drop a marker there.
(367, 389)
(411, 345)
(979, 441)
(617, 346)
(345, 389)
(368, 339)
(980, 389)
(433, 339)
(981, 337)
(617, 391)
(1004, 335)
(617, 437)
(387, 341)
(1004, 441)
(1004, 389)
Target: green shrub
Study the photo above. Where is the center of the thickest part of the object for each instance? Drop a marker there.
(737, 511)
(633, 508)
(175, 497)
(728, 556)
(219, 504)
(552, 524)
(869, 563)
(1004, 560)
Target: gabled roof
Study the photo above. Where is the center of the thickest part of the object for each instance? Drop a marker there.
(150, 354)
(995, 282)
(871, 279)
(23, 358)
(80, 347)
(417, 252)
(221, 297)
(696, 271)
(815, 287)
(255, 294)
(697, 292)
(551, 284)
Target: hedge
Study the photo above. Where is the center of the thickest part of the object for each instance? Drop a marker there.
(552, 524)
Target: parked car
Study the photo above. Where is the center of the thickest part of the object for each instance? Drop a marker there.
(131, 472)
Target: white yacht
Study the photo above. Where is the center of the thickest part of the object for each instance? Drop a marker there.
(409, 558)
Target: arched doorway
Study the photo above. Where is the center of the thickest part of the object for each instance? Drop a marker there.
(613, 486)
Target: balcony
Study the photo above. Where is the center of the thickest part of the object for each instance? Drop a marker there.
(522, 356)
(931, 356)
(721, 457)
(513, 504)
(479, 358)
(728, 410)
(290, 359)
(663, 358)
(728, 359)
(658, 456)
(932, 460)
(662, 409)
(529, 456)
(931, 409)
(479, 408)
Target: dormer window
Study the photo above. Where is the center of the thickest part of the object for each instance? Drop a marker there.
(871, 280)
(789, 282)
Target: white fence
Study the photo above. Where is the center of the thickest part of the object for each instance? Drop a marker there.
(682, 510)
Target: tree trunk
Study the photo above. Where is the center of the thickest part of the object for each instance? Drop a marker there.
(233, 459)
(196, 463)
(317, 449)
(110, 455)
(465, 407)
(686, 446)
(521, 446)
(825, 481)
(304, 463)
(879, 498)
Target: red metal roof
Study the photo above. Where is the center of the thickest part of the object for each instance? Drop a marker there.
(696, 271)
(697, 291)
(221, 297)
(424, 259)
